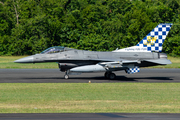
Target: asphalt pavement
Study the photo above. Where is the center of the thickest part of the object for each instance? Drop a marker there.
(55, 76)
(91, 116)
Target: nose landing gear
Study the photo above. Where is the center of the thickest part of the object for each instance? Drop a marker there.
(66, 76)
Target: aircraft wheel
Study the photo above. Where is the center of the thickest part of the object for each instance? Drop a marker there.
(112, 76)
(106, 75)
(66, 76)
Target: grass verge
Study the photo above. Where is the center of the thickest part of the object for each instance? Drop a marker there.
(89, 97)
(7, 62)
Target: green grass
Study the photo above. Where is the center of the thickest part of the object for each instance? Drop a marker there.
(7, 62)
(89, 97)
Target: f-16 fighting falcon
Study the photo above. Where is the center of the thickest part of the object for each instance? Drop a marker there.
(72, 61)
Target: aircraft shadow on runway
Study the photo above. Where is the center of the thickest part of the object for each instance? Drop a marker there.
(124, 78)
(101, 78)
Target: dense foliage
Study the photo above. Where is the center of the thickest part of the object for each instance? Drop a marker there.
(30, 26)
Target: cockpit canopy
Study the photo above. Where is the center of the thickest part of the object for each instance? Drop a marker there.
(55, 49)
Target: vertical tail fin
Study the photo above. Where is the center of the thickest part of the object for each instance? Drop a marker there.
(155, 39)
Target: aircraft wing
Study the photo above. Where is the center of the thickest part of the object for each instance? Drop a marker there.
(131, 66)
(119, 65)
(114, 61)
(123, 61)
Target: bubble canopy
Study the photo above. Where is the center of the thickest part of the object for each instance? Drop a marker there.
(55, 49)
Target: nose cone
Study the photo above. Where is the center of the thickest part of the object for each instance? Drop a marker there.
(25, 60)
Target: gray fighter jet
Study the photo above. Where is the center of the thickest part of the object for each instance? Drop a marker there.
(72, 61)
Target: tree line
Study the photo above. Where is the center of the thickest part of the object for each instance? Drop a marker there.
(30, 26)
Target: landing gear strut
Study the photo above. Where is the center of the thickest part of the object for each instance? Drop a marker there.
(110, 75)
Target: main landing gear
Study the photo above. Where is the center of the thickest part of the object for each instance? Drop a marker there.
(110, 75)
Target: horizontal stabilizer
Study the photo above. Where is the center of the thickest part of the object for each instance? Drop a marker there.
(160, 61)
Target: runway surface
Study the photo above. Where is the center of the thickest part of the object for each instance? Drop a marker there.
(55, 76)
(91, 116)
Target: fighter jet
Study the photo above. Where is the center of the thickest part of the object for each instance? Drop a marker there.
(72, 61)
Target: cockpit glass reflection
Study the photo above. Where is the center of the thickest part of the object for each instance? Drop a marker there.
(54, 49)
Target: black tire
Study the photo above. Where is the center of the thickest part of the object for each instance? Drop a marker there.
(112, 76)
(106, 74)
(66, 76)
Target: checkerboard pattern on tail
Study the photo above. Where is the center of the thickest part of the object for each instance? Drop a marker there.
(155, 39)
(133, 70)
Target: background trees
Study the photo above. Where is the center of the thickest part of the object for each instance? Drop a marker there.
(30, 26)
